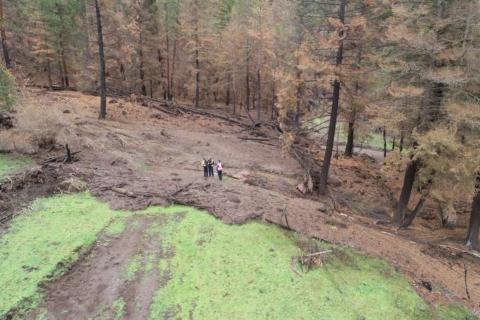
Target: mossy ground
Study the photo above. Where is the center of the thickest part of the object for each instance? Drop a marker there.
(216, 271)
(373, 140)
(11, 163)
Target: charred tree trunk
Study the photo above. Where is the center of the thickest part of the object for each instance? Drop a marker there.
(141, 68)
(66, 79)
(401, 141)
(408, 181)
(298, 95)
(101, 60)
(350, 139)
(418, 208)
(49, 74)
(259, 95)
(172, 75)
(60, 70)
(274, 100)
(247, 81)
(197, 80)
(234, 89)
(334, 111)
(384, 142)
(6, 55)
(48, 65)
(227, 95)
(167, 40)
(474, 225)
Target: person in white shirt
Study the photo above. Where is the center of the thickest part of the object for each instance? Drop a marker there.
(220, 170)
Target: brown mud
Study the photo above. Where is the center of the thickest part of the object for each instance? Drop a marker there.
(141, 156)
(101, 286)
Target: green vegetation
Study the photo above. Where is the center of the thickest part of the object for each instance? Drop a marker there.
(7, 90)
(372, 140)
(43, 242)
(453, 312)
(10, 163)
(214, 271)
(134, 267)
(245, 272)
(119, 308)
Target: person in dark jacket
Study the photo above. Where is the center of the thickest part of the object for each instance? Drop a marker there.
(205, 167)
(211, 164)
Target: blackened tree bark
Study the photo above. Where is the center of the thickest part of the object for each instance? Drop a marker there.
(101, 60)
(474, 225)
(227, 95)
(48, 65)
(322, 188)
(401, 141)
(350, 139)
(353, 114)
(141, 68)
(408, 181)
(259, 95)
(6, 55)
(197, 80)
(384, 142)
(167, 40)
(299, 93)
(65, 76)
(247, 80)
(197, 59)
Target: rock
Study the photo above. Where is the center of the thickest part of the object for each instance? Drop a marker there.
(156, 116)
(334, 182)
(322, 207)
(6, 121)
(72, 185)
(242, 175)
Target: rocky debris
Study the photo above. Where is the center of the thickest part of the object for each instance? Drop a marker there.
(19, 190)
(72, 185)
(6, 121)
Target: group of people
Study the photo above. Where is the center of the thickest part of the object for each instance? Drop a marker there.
(208, 166)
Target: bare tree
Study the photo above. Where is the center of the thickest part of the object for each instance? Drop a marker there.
(101, 60)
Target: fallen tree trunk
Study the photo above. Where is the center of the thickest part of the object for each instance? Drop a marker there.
(193, 111)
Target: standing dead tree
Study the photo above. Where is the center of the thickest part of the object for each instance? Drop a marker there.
(334, 110)
(101, 61)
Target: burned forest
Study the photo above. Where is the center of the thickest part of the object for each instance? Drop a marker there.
(243, 159)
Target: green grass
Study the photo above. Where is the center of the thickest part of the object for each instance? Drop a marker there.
(215, 271)
(373, 140)
(245, 272)
(11, 163)
(119, 309)
(43, 242)
(134, 267)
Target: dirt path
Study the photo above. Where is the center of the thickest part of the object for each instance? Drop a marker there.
(108, 281)
(135, 160)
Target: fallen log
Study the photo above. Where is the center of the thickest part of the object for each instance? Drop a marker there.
(123, 192)
(61, 158)
(254, 139)
(194, 111)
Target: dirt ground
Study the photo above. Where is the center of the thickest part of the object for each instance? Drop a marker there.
(92, 286)
(141, 156)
